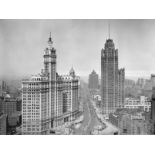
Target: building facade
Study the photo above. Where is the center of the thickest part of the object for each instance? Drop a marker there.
(140, 82)
(3, 88)
(130, 123)
(8, 105)
(36, 114)
(93, 80)
(111, 78)
(153, 111)
(49, 99)
(3, 124)
(142, 103)
(153, 80)
(121, 87)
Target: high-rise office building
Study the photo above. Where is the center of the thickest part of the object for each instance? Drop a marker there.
(93, 80)
(36, 116)
(140, 82)
(3, 88)
(3, 124)
(129, 83)
(153, 80)
(153, 111)
(49, 99)
(121, 93)
(112, 79)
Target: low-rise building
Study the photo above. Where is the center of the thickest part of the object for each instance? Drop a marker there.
(130, 122)
(142, 103)
(3, 124)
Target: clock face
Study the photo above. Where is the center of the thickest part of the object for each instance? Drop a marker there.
(46, 59)
(52, 59)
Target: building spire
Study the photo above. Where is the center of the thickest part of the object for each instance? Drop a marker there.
(50, 42)
(50, 38)
(109, 29)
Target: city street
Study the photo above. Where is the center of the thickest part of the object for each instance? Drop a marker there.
(90, 120)
(110, 129)
(90, 117)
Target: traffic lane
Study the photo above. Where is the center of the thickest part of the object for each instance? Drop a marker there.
(81, 130)
(94, 119)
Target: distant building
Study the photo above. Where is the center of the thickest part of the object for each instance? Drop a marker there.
(153, 80)
(129, 83)
(19, 105)
(8, 105)
(153, 111)
(121, 93)
(148, 84)
(14, 119)
(111, 79)
(3, 88)
(97, 97)
(3, 124)
(93, 80)
(140, 82)
(142, 103)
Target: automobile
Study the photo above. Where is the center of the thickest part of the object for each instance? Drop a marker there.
(115, 133)
(13, 132)
(99, 127)
(52, 131)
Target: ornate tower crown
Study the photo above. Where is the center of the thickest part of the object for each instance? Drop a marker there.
(50, 42)
(109, 44)
(72, 72)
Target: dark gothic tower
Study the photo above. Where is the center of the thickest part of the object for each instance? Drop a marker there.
(109, 77)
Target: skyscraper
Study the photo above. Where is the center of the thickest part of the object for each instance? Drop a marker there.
(111, 78)
(36, 116)
(3, 88)
(153, 111)
(93, 80)
(153, 80)
(49, 99)
(121, 93)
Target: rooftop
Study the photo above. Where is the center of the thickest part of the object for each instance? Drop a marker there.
(109, 44)
(36, 78)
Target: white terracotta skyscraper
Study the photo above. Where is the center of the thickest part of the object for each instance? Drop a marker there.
(48, 99)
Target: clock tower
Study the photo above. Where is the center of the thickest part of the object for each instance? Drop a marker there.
(50, 70)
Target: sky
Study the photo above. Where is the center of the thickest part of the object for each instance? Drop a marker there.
(78, 44)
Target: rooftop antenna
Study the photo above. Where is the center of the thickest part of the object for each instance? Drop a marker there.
(109, 29)
(50, 38)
